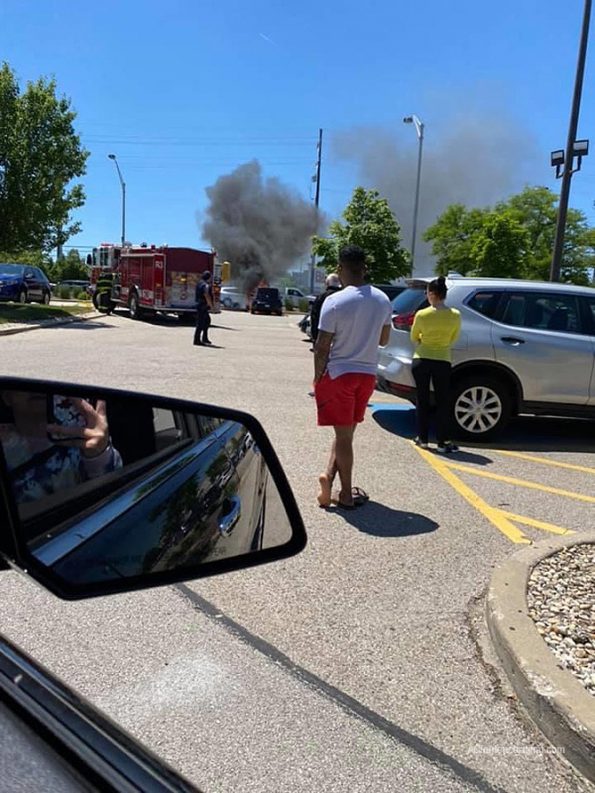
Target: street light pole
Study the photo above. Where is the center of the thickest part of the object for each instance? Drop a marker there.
(316, 179)
(123, 185)
(570, 145)
(419, 129)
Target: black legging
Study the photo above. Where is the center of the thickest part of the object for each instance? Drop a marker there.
(438, 372)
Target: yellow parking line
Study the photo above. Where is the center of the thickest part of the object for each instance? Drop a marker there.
(544, 461)
(495, 516)
(536, 524)
(522, 483)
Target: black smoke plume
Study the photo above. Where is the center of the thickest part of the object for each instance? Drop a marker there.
(476, 160)
(258, 224)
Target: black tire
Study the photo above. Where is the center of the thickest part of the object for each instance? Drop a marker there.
(481, 407)
(46, 298)
(23, 296)
(135, 310)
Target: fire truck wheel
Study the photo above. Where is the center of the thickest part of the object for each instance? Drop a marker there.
(135, 311)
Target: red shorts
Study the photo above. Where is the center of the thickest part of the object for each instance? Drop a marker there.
(342, 402)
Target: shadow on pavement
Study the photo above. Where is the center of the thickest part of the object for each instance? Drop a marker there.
(80, 325)
(380, 521)
(524, 433)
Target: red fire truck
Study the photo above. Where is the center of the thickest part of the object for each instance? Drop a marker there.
(149, 279)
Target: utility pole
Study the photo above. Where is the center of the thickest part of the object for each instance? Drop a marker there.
(570, 148)
(316, 178)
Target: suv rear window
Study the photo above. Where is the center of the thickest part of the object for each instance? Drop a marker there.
(409, 301)
(267, 294)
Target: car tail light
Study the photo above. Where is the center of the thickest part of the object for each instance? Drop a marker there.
(403, 321)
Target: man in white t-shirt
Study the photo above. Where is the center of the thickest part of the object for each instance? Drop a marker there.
(353, 322)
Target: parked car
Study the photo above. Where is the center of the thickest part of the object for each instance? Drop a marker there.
(294, 296)
(23, 283)
(75, 285)
(267, 300)
(207, 496)
(305, 324)
(525, 347)
(390, 290)
(233, 297)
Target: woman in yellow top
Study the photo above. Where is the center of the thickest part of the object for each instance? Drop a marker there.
(434, 331)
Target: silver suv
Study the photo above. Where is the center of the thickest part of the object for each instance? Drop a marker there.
(525, 347)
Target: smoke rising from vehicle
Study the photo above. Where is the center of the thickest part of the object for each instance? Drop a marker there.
(475, 161)
(258, 224)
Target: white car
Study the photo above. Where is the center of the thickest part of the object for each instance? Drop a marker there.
(233, 297)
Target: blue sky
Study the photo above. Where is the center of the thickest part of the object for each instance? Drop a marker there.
(184, 91)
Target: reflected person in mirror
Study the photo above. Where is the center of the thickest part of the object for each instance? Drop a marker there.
(53, 443)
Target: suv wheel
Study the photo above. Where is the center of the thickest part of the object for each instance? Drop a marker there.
(481, 407)
(23, 296)
(46, 298)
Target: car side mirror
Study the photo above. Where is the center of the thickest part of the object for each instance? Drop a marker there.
(105, 491)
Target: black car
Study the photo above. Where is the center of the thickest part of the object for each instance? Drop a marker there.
(390, 290)
(267, 300)
(23, 283)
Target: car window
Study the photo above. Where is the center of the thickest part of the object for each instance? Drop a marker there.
(485, 303)
(11, 270)
(410, 300)
(543, 311)
(591, 305)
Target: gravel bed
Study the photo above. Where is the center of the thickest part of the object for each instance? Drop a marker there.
(561, 599)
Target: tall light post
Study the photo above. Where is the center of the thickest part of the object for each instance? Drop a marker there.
(123, 185)
(419, 129)
(567, 158)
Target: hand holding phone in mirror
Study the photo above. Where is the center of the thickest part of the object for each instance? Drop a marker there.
(92, 439)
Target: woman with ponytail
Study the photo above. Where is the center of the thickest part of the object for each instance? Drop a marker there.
(434, 331)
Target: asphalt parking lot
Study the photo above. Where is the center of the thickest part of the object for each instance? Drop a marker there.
(537, 477)
(355, 665)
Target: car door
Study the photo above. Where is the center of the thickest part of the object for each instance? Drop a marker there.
(246, 491)
(32, 284)
(541, 336)
(42, 281)
(188, 507)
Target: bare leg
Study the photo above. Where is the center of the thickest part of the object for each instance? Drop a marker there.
(344, 462)
(326, 479)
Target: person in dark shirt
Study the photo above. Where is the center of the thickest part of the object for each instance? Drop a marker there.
(204, 302)
(333, 284)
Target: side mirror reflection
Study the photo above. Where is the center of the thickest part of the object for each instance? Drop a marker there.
(110, 489)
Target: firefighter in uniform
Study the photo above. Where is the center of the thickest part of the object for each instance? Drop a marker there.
(102, 299)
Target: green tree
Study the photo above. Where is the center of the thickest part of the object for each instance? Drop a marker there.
(71, 267)
(499, 247)
(515, 238)
(453, 237)
(536, 209)
(370, 223)
(40, 155)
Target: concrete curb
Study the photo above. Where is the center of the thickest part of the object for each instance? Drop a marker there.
(48, 323)
(556, 701)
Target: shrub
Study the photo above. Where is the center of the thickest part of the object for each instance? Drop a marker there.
(64, 292)
(304, 305)
(288, 304)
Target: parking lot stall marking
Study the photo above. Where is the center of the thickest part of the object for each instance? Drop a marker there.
(511, 480)
(535, 524)
(494, 515)
(585, 469)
